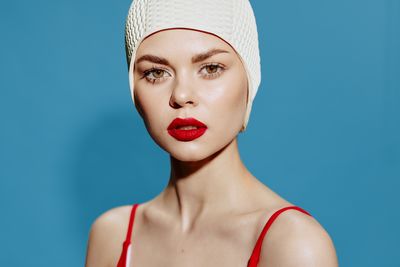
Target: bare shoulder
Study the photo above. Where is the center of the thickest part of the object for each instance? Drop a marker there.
(107, 233)
(296, 239)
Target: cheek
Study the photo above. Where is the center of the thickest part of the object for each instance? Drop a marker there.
(239, 95)
(228, 95)
(148, 102)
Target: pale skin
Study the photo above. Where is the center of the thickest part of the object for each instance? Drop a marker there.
(213, 209)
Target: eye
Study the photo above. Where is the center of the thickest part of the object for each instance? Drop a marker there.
(154, 74)
(213, 70)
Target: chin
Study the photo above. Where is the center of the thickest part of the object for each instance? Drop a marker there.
(188, 152)
(194, 151)
(186, 158)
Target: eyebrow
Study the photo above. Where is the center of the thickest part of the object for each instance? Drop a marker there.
(195, 59)
(203, 56)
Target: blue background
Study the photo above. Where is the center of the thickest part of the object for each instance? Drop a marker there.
(324, 130)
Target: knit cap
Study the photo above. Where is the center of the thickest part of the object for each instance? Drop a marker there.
(231, 20)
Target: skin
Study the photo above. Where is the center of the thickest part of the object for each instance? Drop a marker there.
(213, 209)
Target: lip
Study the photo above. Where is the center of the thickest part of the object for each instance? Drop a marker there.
(186, 135)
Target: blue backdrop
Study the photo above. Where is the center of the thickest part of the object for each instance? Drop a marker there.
(324, 130)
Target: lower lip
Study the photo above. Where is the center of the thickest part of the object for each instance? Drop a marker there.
(187, 135)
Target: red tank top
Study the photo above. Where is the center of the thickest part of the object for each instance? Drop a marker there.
(255, 255)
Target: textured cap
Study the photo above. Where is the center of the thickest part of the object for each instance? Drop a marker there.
(231, 20)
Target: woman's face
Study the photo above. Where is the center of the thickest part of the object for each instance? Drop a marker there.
(176, 77)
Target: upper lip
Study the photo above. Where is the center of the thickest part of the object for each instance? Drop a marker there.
(180, 122)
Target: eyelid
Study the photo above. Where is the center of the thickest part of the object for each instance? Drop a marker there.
(156, 68)
(221, 67)
(153, 68)
(212, 63)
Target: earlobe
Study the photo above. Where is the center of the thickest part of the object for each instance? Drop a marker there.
(247, 103)
(242, 129)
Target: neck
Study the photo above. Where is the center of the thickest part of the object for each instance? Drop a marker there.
(215, 184)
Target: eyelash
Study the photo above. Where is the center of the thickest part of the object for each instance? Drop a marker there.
(208, 76)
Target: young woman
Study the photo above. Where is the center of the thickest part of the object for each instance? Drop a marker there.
(194, 71)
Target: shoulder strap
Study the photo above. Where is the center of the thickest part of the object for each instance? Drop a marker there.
(255, 256)
(123, 258)
(131, 221)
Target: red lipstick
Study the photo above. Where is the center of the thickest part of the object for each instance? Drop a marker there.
(186, 129)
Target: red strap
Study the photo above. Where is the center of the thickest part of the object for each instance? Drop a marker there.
(255, 256)
(131, 221)
(125, 245)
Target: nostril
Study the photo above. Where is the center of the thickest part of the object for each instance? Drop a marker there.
(177, 104)
(174, 104)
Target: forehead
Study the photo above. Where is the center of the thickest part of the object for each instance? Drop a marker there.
(179, 41)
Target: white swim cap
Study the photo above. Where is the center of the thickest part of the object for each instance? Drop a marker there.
(231, 20)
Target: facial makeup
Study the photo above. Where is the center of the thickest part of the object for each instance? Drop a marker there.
(186, 129)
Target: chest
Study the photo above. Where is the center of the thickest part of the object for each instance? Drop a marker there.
(155, 249)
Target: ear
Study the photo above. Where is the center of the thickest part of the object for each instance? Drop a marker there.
(247, 103)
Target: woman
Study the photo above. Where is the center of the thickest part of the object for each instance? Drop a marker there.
(194, 71)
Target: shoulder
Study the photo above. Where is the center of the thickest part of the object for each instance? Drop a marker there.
(106, 236)
(296, 239)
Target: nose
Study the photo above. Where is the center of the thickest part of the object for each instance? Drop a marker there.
(183, 92)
